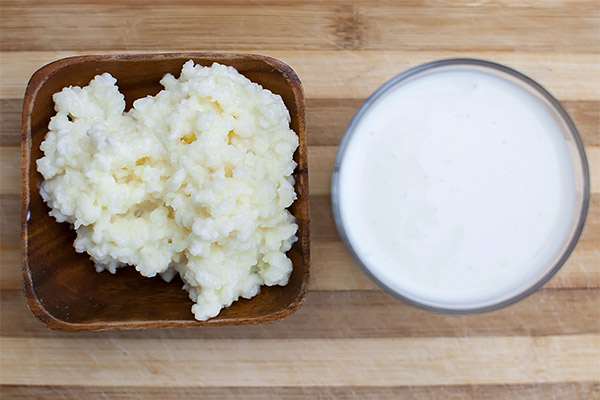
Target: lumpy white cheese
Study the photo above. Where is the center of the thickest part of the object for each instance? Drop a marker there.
(194, 181)
(456, 189)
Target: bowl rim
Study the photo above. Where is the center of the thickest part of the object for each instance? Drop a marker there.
(37, 81)
(523, 79)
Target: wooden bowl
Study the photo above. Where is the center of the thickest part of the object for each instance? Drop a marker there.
(62, 287)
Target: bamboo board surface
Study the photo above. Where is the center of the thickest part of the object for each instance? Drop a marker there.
(350, 340)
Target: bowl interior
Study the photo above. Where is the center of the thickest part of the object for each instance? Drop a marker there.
(63, 289)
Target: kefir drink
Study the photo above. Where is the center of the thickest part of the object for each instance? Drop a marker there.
(455, 188)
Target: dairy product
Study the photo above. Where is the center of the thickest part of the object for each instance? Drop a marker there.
(456, 188)
(194, 181)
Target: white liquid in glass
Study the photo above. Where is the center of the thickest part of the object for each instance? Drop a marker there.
(456, 188)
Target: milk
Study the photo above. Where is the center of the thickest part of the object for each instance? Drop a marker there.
(456, 189)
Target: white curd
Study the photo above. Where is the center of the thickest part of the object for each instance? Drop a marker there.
(195, 180)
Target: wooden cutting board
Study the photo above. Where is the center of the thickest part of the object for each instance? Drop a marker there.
(349, 340)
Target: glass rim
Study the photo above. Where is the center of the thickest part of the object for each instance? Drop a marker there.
(571, 131)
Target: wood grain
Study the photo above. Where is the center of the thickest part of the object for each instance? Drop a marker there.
(350, 340)
(353, 74)
(567, 390)
(10, 170)
(294, 362)
(327, 25)
(10, 121)
(367, 314)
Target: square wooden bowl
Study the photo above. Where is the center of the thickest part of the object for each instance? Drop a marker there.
(62, 287)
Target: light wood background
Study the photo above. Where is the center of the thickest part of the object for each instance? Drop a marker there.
(350, 340)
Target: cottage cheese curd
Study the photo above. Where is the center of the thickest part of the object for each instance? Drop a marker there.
(194, 181)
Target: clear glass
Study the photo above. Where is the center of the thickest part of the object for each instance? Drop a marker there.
(574, 146)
